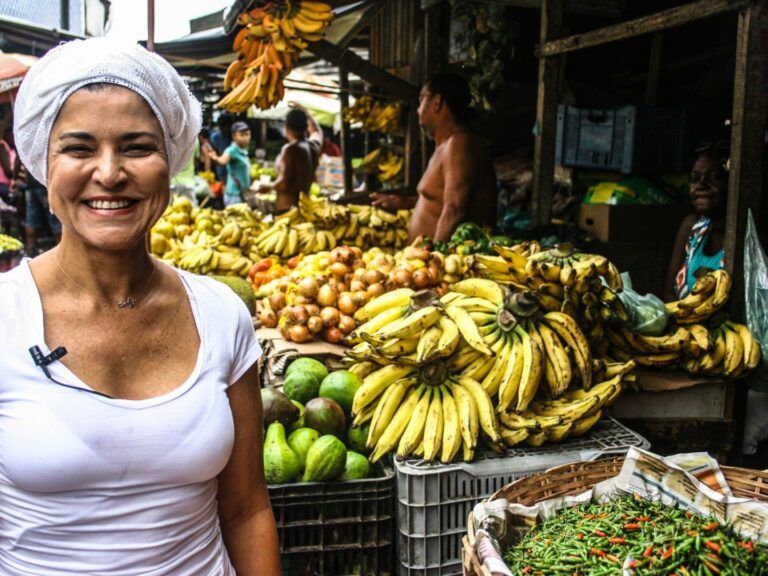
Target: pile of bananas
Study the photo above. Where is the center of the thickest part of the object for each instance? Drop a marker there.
(729, 349)
(375, 115)
(390, 168)
(318, 224)
(701, 340)
(207, 241)
(10, 244)
(708, 295)
(498, 345)
(583, 286)
(268, 47)
(385, 164)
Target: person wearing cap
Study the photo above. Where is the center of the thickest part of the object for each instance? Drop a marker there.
(235, 158)
(130, 412)
(297, 161)
(459, 183)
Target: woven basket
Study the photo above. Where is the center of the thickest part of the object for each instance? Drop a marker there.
(572, 479)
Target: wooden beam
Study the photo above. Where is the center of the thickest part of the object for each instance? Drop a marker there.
(748, 124)
(607, 8)
(546, 117)
(351, 62)
(654, 69)
(365, 19)
(646, 25)
(346, 152)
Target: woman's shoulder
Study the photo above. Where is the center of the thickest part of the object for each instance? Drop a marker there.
(15, 295)
(209, 290)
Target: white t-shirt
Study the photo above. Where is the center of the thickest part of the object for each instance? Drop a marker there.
(95, 486)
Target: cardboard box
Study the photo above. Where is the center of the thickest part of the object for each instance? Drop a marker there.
(654, 224)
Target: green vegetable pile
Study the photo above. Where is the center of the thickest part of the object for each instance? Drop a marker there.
(597, 539)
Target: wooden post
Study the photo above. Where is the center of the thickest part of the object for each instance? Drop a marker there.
(151, 25)
(346, 153)
(546, 116)
(748, 124)
(654, 69)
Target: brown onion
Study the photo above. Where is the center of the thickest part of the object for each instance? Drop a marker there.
(375, 290)
(346, 304)
(299, 315)
(277, 300)
(308, 287)
(347, 324)
(315, 324)
(299, 333)
(339, 269)
(373, 276)
(401, 277)
(359, 273)
(313, 309)
(333, 335)
(421, 279)
(268, 318)
(361, 298)
(326, 296)
(356, 286)
(330, 316)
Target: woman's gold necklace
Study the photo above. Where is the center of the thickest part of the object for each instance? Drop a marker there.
(128, 302)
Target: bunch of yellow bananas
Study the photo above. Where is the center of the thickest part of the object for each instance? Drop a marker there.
(207, 241)
(496, 346)
(728, 350)
(391, 168)
(708, 295)
(584, 286)
(375, 115)
(573, 414)
(268, 47)
(10, 244)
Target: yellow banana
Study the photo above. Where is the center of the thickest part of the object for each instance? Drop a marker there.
(451, 428)
(386, 408)
(376, 382)
(481, 288)
(391, 436)
(380, 321)
(414, 431)
(566, 328)
(467, 329)
(468, 415)
(513, 437)
(510, 381)
(394, 299)
(411, 325)
(433, 427)
(486, 414)
(532, 370)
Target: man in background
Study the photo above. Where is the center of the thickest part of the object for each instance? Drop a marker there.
(297, 161)
(459, 183)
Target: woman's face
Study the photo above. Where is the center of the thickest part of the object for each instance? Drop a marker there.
(708, 186)
(108, 178)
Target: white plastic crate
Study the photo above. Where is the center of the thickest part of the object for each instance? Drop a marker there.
(434, 500)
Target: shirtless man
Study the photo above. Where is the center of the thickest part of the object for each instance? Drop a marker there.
(459, 183)
(297, 161)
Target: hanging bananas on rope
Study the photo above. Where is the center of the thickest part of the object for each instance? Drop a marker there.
(267, 48)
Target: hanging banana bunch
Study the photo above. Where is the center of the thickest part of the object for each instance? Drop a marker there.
(268, 47)
(375, 115)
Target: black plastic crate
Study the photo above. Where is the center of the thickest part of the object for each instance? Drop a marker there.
(628, 139)
(336, 528)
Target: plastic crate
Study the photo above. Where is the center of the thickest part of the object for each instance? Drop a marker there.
(336, 528)
(630, 139)
(434, 500)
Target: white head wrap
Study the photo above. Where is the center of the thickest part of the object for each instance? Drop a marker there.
(70, 66)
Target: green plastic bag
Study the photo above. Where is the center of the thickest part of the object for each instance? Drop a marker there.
(647, 314)
(756, 298)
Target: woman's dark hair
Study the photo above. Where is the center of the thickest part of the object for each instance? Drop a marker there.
(296, 120)
(455, 93)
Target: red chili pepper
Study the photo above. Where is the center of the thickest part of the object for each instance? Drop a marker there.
(635, 563)
(579, 536)
(597, 552)
(711, 566)
(668, 552)
(617, 540)
(748, 545)
(527, 570)
(589, 516)
(711, 526)
(692, 532)
(632, 526)
(714, 546)
(599, 533)
(713, 557)
(604, 514)
(612, 558)
(642, 519)
(648, 552)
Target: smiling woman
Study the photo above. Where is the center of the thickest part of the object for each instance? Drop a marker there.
(699, 242)
(139, 450)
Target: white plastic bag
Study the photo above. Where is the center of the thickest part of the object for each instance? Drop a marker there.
(756, 299)
(647, 313)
